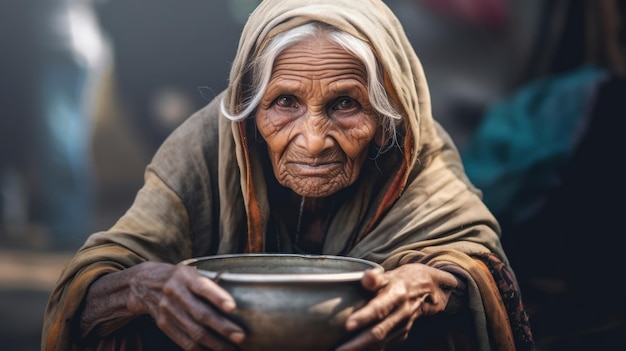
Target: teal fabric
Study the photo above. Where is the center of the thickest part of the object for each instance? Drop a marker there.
(517, 152)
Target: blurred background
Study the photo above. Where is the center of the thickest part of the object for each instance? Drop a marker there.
(532, 92)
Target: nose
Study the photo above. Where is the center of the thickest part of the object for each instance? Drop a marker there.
(314, 135)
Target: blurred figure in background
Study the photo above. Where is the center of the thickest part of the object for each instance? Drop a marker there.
(545, 156)
(169, 58)
(532, 92)
(52, 53)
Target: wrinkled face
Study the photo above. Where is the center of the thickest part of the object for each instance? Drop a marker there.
(316, 118)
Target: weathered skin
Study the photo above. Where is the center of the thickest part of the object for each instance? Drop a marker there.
(316, 118)
(317, 122)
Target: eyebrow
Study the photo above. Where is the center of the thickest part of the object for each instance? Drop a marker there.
(349, 89)
(344, 87)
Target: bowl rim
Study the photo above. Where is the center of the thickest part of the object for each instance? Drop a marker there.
(285, 278)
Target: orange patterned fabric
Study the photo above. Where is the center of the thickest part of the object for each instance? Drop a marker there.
(205, 191)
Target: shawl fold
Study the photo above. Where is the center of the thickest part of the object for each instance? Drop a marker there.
(502, 322)
(205, 194)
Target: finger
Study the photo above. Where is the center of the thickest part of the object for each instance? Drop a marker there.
(379, 307)
(431, 304)
(360, 342)
(189, 333)
(373, 280)
(398, 336)
(206, 288)
(447, 280)
(397, 323)
(391, 331)
(218, 322)
(375, 310)
(203, 313)
(178, 336)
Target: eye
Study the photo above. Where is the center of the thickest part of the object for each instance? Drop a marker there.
(345, 103)
(286, 101)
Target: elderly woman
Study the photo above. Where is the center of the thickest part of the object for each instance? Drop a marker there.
(322, 143)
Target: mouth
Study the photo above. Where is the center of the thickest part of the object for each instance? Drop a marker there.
(314, 169)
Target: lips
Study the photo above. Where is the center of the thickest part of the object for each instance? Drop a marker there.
(313, 168)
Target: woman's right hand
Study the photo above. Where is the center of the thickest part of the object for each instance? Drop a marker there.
(188, 307)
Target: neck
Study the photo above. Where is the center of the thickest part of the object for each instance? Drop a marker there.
(313, 219)
(312, 205)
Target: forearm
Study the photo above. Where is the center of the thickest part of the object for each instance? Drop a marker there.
(106, 302)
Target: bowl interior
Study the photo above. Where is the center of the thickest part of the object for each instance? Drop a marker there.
(282, 266)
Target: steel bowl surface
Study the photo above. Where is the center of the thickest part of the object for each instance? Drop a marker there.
(290, 301)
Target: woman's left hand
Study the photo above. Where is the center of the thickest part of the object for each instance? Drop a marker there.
(403, 294)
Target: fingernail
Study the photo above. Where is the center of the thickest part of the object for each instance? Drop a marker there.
(228, 306)
(236, 337)
(350, 325)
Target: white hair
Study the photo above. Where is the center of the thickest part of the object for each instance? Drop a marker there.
(262, 67)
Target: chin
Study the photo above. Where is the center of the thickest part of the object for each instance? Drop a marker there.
(318, 189)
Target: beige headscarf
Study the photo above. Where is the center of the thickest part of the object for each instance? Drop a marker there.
(428, 212)
(371, 21)
(422, 208)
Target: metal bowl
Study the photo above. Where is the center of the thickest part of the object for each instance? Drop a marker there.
(289, 301)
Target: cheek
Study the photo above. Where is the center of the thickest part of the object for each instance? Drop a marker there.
(276, 137)
(355, 142)
(356, 139)
(264, 124)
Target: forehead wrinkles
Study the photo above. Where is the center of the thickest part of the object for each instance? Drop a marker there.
(318, 59)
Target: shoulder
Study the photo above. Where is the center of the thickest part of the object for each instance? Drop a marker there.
(190, 154)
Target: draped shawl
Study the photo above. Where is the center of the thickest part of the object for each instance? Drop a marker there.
(205, 191)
